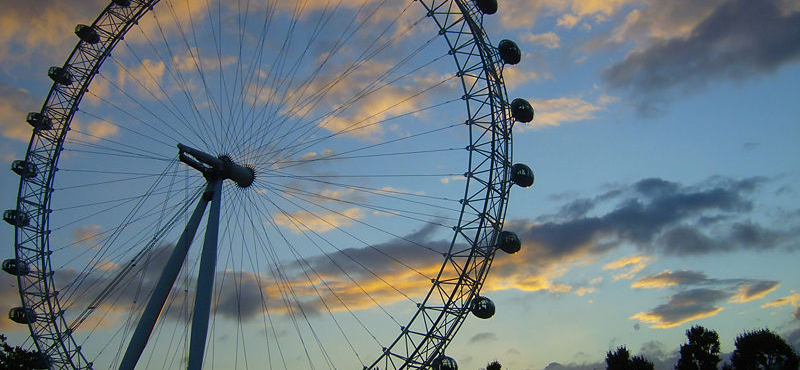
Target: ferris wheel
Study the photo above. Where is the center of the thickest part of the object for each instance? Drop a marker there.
(355, 158)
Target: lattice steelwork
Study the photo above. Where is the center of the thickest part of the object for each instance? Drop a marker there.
(443, 310)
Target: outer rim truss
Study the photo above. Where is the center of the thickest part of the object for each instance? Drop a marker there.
(432, 327)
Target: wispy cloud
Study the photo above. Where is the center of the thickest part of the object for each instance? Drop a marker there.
(733, 39)
(684, 307)
(14, 106)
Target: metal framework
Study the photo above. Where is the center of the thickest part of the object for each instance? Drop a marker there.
(446, 305)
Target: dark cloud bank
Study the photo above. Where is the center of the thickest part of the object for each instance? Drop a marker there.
(739, 39)
(656, 216)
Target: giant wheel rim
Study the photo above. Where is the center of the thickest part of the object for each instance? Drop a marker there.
(439, 314)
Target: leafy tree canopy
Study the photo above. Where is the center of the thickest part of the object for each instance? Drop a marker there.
(763, 349)
(701, 352)
(16, 358)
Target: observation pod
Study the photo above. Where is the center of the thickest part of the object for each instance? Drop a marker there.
(521, 110)
(509, 52)
(522, 175)
(22, 315)
(444, 363)
(482, 307)
(16, 267)
(508, 242)
(24, 168)
(487, 6)
(87, 34)
(60, 75)
(16, 217)
(39, 121)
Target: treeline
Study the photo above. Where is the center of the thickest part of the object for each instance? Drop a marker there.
(754, 350)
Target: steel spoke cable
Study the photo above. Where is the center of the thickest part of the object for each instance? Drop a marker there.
(108, 103)
(338, 228)
(365, 91)
(126, 129)
(95, 142)
(378, 228)
(208, 131)
(307, 232)
(198, 67)
(175, 111)
(311, 77)
(309, 143)
(388, 191)
(299, 258)
(358, 125)
(102, 251)
(254, 67)
(111, 230)
(306, 195)
(300, 90)
(329, 289)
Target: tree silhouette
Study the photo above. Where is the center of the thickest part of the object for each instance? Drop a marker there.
(494, 365)
(621, 360)
(640, 363)
(701, 352)
(763, 349)
(16, 358)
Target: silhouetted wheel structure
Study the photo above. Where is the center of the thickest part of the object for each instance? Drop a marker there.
(368, 146)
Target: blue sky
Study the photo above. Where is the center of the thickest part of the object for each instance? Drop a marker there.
(664, 147)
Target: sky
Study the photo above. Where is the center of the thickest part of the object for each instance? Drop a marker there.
(662, 145)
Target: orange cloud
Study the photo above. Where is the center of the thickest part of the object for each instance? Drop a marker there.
(788, 300)
(753, 291)
(318, 221)
(684, 307)
(633, 264)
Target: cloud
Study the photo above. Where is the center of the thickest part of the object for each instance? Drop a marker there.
(84, 234)
(521, 14)
(788, 300)
(645, 215)
(755, 290)
(697, 303)
(684, 307)
(738, 39)
(147, 77)
(14, 106)
(549, 39)
(632, 265)
(9, 298)
(33, 31)
(554, 112)
(318, 221)
(668, 278)
(482, 337)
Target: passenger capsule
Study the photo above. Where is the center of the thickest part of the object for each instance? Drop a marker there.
(522, 175)
(508, 242)
(509, 51)
(60, 75)
(22, 315)
(39, 121)
(482, 307)
(87, 34)
(521, 110)
(444, 363)
(487, 6)
(16, 217)
(24, 168)
(16, 267)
